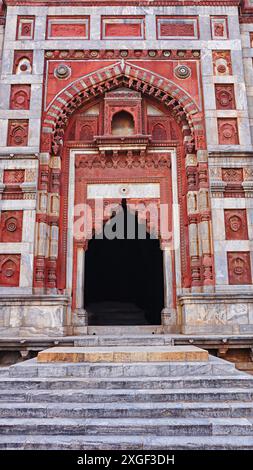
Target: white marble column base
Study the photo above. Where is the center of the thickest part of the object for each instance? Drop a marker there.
(168, 316)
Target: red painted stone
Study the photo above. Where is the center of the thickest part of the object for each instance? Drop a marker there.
(9, 270)
(17, 132)
(11, 226)
(20, 96)
(227, 131)
(236, 226)
(14, 176)
(225, 96)
(239, 270)
(222, 64)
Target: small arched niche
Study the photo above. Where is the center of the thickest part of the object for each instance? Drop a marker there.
(123, 124)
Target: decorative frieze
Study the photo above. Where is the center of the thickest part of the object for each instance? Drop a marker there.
(123, 27)
(62, 27)
(178, 27)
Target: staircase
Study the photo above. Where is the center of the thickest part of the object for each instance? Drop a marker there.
(196, 404)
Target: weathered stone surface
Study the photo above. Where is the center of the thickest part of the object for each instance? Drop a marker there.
(123, 354)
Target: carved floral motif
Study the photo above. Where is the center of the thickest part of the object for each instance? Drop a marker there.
(9, 270)
(20, 96)
(232, 175)
(236, 224)
(225, 97)
(239, 271)
(14, 176)
(222, 63)
(18, 132)
(227, 131)
(11, 226)
(126, 161)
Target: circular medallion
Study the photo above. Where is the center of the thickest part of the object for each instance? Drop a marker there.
(11, 225)
(62, 71)
(182, 71)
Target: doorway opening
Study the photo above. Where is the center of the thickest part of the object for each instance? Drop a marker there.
(124, 277)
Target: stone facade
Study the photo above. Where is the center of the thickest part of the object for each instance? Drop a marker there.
(184, 75)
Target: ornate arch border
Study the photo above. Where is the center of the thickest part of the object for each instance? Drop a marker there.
(181, 105)
(56, 117)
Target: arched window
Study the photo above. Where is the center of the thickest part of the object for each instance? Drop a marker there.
(122, 123)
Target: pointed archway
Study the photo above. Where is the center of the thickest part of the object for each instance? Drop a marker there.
(124, 276)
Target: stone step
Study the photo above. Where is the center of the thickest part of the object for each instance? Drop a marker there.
(127, 340)
(103, 442)
(123, 330)
(123, 354)
(31, 368)
(123, 442)
(129, 426)
(126, 410)
(241, 381)
(127, 395)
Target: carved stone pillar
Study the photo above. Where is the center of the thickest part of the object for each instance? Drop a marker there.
(80, 317)
(168, 314)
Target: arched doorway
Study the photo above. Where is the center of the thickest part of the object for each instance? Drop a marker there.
(124, 277)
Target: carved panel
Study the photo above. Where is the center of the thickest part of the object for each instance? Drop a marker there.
(232, 175)
(222, 63)
(25, 27)
(86, 128)
(17, 132)
(236, 224)
(225, 97)
(72, 27)
(227, 131)
(127, 161)
(123, 27)
(22, 63)
(159, 128)
(239, 270)
(179, 27)
(20, 96)
(9, 270)
(219, 27)
(14, 176)
(11, 226)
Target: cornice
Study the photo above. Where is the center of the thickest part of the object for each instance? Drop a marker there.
(146, 3)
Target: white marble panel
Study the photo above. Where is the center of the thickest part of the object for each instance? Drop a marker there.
(119, 190)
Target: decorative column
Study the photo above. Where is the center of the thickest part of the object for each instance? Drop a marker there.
(80, 316)
(168, 314)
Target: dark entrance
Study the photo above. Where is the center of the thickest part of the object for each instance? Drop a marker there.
(124, 277)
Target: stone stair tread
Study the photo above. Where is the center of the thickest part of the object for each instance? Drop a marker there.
(118, 391)
(86, 380)
(105, 442)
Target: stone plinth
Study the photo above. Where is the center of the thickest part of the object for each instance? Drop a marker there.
(123, 354)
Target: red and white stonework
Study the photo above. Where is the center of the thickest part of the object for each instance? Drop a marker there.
(184, 74)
